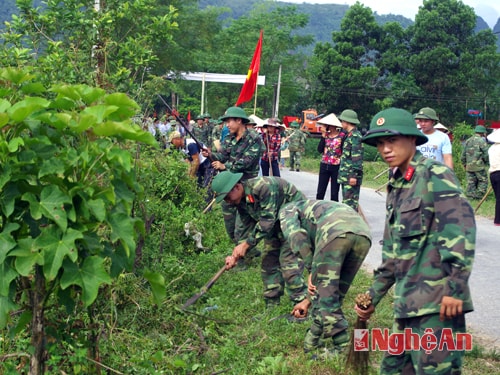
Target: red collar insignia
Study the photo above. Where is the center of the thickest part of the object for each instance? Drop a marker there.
(250, 198)
(409, 173)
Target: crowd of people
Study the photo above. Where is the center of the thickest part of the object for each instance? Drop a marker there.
(429, 237)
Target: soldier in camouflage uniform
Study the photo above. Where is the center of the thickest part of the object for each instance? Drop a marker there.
(428, 247)
(208, 125)
(217, 135)
(475, 160)
(258, 201)
(296, 145)
(199, 131)
(351, 161)
(240, 152)
(333, 240)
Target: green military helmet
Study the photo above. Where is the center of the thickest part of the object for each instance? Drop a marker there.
(199, 117)
(294, 125)
(348, 115)
(390, 122)
(426, 113)
(480, 129)
(207, 115)
(235, 112)
(223, 183)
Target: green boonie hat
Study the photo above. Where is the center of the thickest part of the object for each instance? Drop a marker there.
(235, 112)
(223, 183)
(294, 125)
(390, 122)
(427, 113)
(480, 129)
(348, 115)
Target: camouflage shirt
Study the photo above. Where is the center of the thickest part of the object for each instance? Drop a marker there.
(241, 155)
(312, 224)
(429, 240)
(351, 161)
(297, 140)
(201, 134)
(475, 154)
(259, 210)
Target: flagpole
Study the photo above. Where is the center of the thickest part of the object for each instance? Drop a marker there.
(277, 104)
(202, 94)
(255, 99)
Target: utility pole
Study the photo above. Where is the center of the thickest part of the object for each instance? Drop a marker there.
(277, 106)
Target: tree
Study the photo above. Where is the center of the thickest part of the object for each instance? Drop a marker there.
(444, 56)
(67, 191)
(73, 41)
(348, 76)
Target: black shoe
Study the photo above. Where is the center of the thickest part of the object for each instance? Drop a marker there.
(298, 170)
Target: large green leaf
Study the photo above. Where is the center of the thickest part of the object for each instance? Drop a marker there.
(27, 256)
(127, 108)
(125, 129)
(15, 143)
(7, 241)
(89, 277)
(98, 208)
(4, 105)
(4, 119)
(157, 282)
(52, 201)
(55, 249)
(52, 166)
(16, 76)
(23, 109)
(99, 112)
(122, 228)
(7, 274)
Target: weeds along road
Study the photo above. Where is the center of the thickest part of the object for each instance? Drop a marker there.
(483, 322)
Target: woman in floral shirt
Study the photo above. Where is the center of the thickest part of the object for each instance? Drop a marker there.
(272, 144)
(330, 146)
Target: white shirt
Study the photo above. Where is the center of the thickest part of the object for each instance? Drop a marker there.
(494, 156)
(437, 145)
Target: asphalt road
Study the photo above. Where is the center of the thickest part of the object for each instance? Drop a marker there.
(485, 276)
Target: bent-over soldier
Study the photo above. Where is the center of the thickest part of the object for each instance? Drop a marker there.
(333, 240)
(258, 201)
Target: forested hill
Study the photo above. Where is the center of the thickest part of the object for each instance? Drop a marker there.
(323, 18)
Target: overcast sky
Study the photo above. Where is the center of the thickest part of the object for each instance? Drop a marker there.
(489, 10)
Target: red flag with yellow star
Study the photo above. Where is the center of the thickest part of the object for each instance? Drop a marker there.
(250, 84)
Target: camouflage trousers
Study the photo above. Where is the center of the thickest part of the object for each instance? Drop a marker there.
(350, 195)
(282, 270)
(333, 270)
(477, 184)
(438, 361)
(295, 157)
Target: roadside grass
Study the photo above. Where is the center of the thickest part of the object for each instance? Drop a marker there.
(228, 331)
